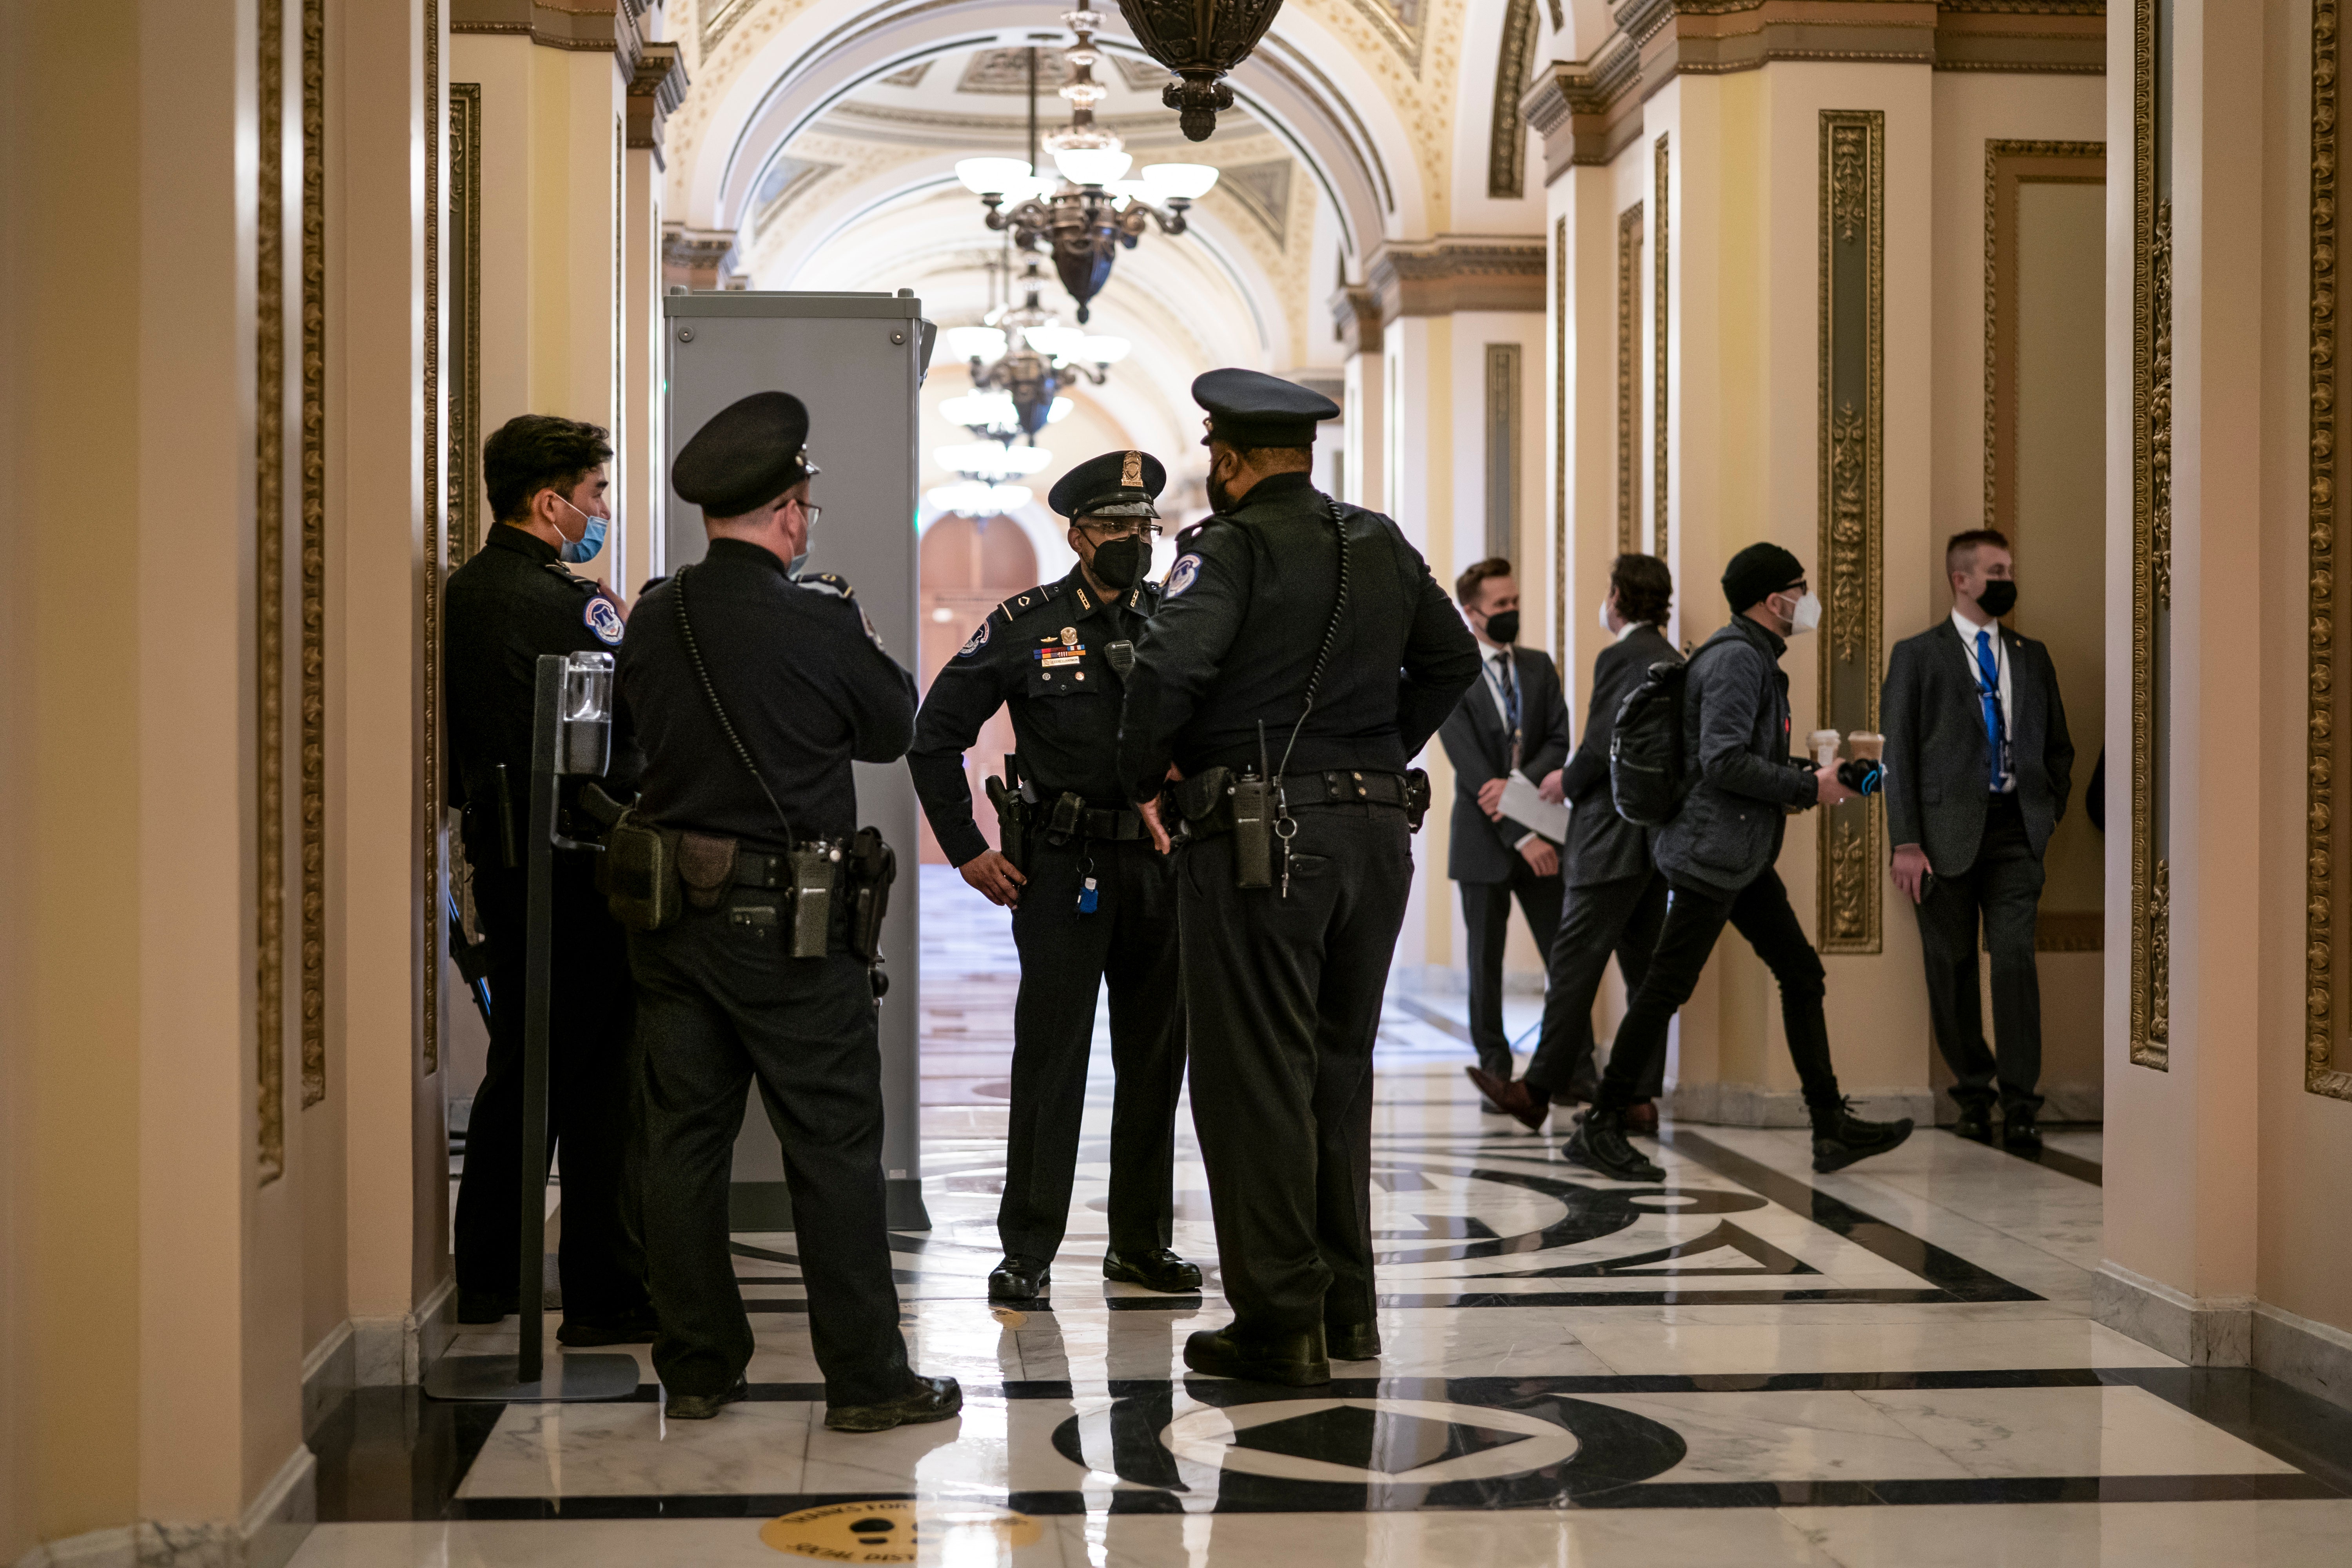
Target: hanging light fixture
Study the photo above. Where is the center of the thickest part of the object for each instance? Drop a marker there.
(977, 497)
(1095, 209)
(1018, 393)
(1200, 40)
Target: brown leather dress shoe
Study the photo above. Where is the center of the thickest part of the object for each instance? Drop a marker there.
(1511, 1097)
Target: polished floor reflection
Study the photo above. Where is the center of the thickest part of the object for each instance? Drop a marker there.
(1746, 1364)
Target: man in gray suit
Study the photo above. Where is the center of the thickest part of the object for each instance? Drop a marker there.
(1978, 767)
(1515, 719)
(1616, 900)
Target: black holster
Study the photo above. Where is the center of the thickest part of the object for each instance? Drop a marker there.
(872, 867)
(1011, 823)
(638, 874)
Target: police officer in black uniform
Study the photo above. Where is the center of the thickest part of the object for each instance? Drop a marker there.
(516, 599)
(753, 686)
(1092, 898)
(1301, 656)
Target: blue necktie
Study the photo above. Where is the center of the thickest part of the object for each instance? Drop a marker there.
(1510, 702)
(1989, 693)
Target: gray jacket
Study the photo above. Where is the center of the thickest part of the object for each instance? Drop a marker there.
(1937, 773)
(1736, 742)
(1602, 846)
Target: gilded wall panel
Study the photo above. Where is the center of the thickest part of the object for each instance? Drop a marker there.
(1848, 565)
(1659, 297)
(2149, 979)
(269, 589)
(2327, 1064)
(1629, 379)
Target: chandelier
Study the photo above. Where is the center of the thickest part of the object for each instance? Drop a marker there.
(1086, 217)
(1200, 40)
(1019, 363)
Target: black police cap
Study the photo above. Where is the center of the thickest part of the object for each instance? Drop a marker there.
(1116, 484)
(745, 456)
(1250, 408)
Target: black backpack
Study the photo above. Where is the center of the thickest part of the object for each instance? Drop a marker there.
(1648, 775)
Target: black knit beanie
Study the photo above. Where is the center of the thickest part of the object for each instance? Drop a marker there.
(1758, 572)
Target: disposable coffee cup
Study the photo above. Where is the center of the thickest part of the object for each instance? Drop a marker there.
(1866, 746)
(1823, 744)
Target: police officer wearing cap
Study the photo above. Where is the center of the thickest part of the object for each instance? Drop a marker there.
(1301, 656)
(1092, 898)
(753, 686)
(516, 599)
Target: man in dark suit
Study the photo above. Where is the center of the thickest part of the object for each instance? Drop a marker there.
(1514, 719)
(1616, 900)
(1978, 766)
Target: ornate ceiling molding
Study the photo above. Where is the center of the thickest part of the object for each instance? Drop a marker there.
(1590, 111)
(1458, 272)
(585, 24)
(656, 87)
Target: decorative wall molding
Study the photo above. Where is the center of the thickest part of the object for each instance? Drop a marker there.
(2325, 1071)
(269, 592)
(1848, 563)
(434, 561)
(314, 554)
(694, 258)
(1503, 408)
(464, 268)
(1356, 318)
(1661, 239)
(1559, 542)
(1629, 377)
(1506, 139)
(1457, 272)
(584, 25)
(2151, 1023)
(656, 87)
(1589, 110)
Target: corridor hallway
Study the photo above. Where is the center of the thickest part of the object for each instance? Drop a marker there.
(1749, 1365)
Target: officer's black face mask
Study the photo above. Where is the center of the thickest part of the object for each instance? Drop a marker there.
(1119, 561)
(1503, 626)
(1997, 597)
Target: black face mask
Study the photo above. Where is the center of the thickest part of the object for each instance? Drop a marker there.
(1503, 626)
(1119, 563)
(1997, 597)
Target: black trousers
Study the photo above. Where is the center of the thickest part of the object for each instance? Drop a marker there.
(1694, 918)
(1282, 999)
(2005, 884)
(1486, 914)
(591, 1099)
(1623, 917)
(1130, 941)
(718, 1003)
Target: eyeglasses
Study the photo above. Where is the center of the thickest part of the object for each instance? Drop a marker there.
(813, 512)
(1121, 528)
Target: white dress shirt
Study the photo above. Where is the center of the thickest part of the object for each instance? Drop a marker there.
(1967, 631)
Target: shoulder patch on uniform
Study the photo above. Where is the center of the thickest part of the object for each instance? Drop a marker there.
(604, 618)
(871, 635)
(1182, 575)
(974, 643)
(1028, 599)
(826, 582)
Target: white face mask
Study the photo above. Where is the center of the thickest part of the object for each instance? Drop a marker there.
(1807, 616)
(1605, 627)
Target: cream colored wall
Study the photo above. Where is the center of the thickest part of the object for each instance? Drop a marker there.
(1417, 445)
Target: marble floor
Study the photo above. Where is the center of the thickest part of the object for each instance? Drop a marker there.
(1747, 1364)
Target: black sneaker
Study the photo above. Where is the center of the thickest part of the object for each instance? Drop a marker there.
(2018, 1132)
(1840, 1136)
(930, 1399)
(1598, 1144)
(1159, 1270)
(1300, 1360)
(1018, 1278)
(703, 1407)
(634, 1327)
(485, 1306)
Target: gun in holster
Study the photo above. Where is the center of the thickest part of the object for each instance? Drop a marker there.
(1011, 813)
(872, 866)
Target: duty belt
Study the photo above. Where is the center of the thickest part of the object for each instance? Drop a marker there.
(1205, 800)
(753, 869)
(1068, 816)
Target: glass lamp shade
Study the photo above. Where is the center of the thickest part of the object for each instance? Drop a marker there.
(1179, 182)
(988, 460)
(1058, 411)
(1092, 165)
(985, 344)
(993, 177)
(1102, 350)
(975, 498)
(993, 410)
(1054, 343)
